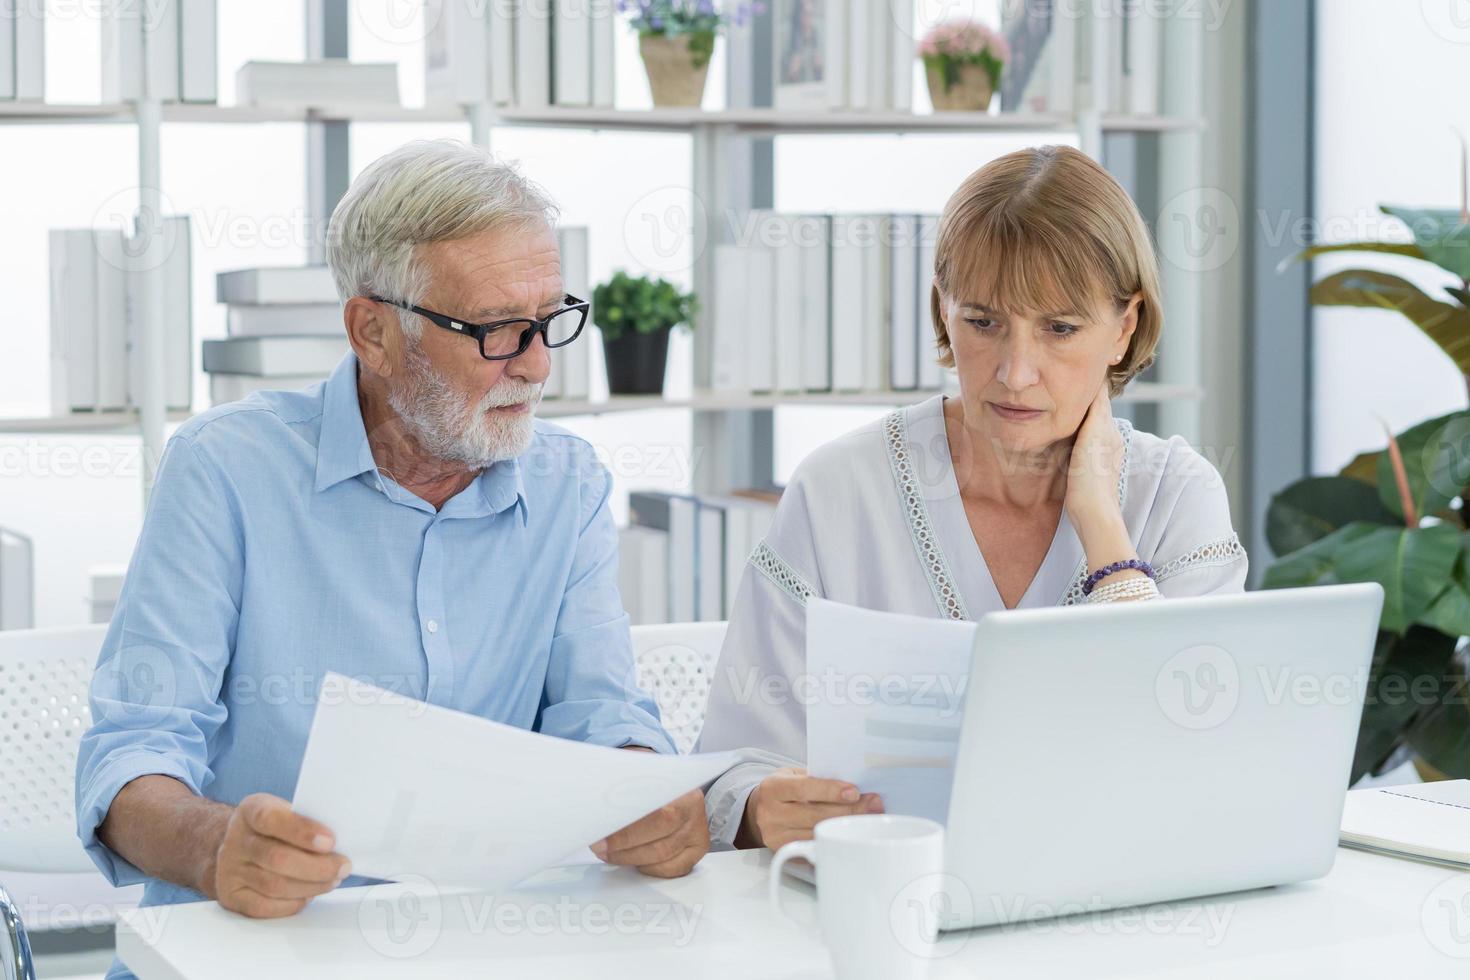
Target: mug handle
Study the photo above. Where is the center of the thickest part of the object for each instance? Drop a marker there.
(796, 849)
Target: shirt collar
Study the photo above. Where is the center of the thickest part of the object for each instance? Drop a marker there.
(343, 452)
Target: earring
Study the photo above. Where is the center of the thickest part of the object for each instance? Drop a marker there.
(1117, 359)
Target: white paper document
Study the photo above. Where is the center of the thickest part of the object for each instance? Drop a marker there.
(410, 788)
(886, 692)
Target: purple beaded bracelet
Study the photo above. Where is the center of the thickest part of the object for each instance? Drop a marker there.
(1138, 564)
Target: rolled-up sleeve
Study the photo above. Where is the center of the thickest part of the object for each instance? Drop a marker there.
(592, 692)
(155, 695)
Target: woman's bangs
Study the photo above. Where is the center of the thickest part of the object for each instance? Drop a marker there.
(1017, 274)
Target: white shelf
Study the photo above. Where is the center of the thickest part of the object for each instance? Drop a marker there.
(126, 423)
(634, 120)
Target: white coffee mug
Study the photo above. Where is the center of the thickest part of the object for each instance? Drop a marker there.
(878, 884)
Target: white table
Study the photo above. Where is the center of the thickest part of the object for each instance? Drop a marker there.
(1373, 917)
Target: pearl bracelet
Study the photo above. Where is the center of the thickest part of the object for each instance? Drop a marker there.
(1132, 589)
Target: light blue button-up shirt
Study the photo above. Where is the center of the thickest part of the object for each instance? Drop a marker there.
(274, 551)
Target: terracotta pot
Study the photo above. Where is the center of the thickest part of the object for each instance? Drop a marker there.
(970, 92)
(676, 74)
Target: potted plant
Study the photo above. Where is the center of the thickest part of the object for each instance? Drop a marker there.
(676, 39)
(1397, 517)
(963, 61)
(635, 315)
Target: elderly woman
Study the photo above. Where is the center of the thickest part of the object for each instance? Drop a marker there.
(1024, 491)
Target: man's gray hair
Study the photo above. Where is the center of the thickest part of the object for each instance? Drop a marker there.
(425, 191)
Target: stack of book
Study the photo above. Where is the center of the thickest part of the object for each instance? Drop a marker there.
(1069, 57)
(163, 48)
(17, 581)
(284, 328)
(323, 81)
(682, 555)
(531, 55)
(571, 366)
(843, 54)
(95, 276)
(826, 302)
(23, 51)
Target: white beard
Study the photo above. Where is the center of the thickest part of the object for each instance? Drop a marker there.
(434, 412)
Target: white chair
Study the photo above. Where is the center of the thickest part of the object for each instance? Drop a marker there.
(44, 678)
(676, 666)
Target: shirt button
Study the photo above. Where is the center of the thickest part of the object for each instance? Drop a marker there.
(433, 625)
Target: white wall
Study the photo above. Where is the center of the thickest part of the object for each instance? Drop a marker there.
(1390, 84)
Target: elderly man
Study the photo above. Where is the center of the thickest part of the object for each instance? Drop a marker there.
(409, 522)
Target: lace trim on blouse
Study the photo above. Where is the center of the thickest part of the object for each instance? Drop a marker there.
(782, 575)
(1221, 551)
(921, 530)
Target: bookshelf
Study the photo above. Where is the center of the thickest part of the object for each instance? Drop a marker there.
(732, 164)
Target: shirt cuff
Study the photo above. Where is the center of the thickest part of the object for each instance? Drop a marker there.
(96, 799)
(724, 801)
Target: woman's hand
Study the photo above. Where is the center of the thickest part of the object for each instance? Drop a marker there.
(1092, 485)
(788, 804)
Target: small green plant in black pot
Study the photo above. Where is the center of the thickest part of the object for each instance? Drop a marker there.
(635, 315)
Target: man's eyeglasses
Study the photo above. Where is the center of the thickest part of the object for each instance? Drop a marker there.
(503, 339)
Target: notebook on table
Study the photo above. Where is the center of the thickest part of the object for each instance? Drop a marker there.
(1428, 822)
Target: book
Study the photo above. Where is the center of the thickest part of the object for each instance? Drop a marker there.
(532, 53)
(233, 387)
(17, 581)
(7, 53)
(876, 244)
(1428, 822)
(198, 51)
(746, 521)
(903, 320)
(643, 574)
(1143, 46)
(500, 22)
(604, 47)
(110, 306)
(268, 356)
(161, 49)
(276, 284)
(284, 319)
(902, 51)
(456, 52)
(574, 361)
(120, 26)
(931, 375)
(178, 325)
(677, 516)
(787, 308)
(321, 81)
(23, 52)
(859, 28)
(760, 319)
(571, 59)
(848, 306)
(814, 237)
(728, 366)
(73, 320)
(709, 553)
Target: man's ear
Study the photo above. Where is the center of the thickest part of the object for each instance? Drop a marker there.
(374, 333)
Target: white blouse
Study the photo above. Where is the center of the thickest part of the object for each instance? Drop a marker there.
(874, 519)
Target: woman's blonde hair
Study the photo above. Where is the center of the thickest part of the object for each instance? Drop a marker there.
(1025, 227)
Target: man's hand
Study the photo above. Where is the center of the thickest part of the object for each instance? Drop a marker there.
(788, 804)
(272, 860)
(667, 843)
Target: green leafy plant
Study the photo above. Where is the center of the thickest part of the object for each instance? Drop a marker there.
(1396, 517)
(636, 304)
(950, 44)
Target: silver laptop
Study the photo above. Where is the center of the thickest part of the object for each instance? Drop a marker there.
(1144, 752)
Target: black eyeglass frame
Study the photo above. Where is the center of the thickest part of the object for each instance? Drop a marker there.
(482, 330)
